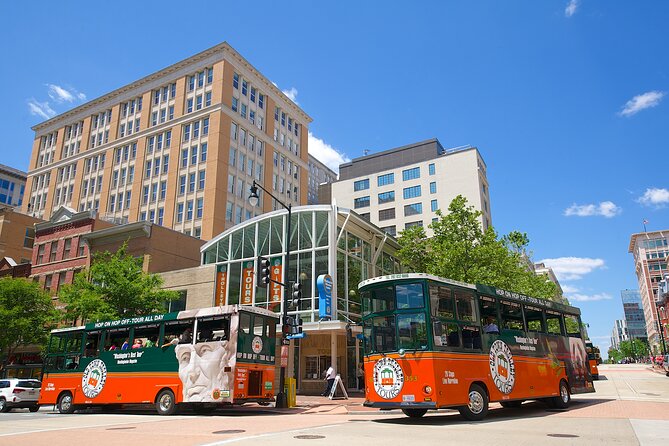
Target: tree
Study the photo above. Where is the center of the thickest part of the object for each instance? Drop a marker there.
(461, 250)
(113, 288)
(27, 314)
(634, 348)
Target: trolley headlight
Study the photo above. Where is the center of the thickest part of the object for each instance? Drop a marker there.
(427, 389)
(401, 352)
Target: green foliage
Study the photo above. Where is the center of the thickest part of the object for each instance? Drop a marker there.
(114, 287)
(27, 314)
(634, 348)
(461, 250)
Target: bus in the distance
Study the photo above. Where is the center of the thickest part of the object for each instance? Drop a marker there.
(203, 358)
(432, 343)
(594, 359)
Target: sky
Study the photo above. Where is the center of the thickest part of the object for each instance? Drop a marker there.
(566, 100)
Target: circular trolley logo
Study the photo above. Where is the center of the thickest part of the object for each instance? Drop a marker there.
(256, 344)
(501, 366)
(94, 378)
(388, 378)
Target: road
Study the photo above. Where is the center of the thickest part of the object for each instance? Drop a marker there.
(631, 407)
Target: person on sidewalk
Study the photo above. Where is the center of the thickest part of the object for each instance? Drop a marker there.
(361, 377)
(330, 378)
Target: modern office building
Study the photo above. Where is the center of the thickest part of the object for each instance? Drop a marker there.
(542, 269)
(319, 174)
(634, 318)
(619, 333)
(405, 186)
(324, 240)
(12, 186)
(199, 131)
(650, 251)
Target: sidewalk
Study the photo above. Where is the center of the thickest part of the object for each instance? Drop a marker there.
(338, 405)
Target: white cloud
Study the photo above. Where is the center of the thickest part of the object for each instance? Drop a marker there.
(571, 8)
(63, 94)
(641, 102)
(292, 94)
(654, 197)
(568, 288)
(325, 153)
(587, 298)
(40, 109)
(606, 209)
(573, 268)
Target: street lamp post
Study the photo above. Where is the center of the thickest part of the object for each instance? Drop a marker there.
(281, 399)
(661, 329)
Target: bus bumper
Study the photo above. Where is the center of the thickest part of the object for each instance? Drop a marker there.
(406, 405)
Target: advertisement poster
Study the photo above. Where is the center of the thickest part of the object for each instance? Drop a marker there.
(248, 283)
(221, 285)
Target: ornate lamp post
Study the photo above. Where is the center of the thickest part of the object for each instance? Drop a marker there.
(281, 399)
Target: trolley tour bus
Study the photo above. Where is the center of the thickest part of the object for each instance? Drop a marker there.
(203, 358)
(433, 343)
(594, 359)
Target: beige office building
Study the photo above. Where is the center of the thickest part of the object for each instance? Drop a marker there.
(179, 148)
(650, 251)
(405, 186)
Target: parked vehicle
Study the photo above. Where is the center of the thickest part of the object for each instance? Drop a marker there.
(16, 392)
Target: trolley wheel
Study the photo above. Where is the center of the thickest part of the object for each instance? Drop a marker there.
(414, 413)
(477, 408)
(564, 398)
(34, 408)
(165, 402)
(3, 405)
(511, 404)
(64, 404)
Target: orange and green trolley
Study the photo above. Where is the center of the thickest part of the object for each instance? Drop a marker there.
(432, 343)
(204, 359)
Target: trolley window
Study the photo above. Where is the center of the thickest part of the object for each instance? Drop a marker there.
(572, 325)
(512, 315)
(535, 319)
(412, 330)
(409, 295)
(554, 323)
(441, 302)
(465, 304)
(378, 300)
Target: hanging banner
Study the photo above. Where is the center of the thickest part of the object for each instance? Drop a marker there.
(221, 285)
(275, 288)
(248, 283)
(324, 285)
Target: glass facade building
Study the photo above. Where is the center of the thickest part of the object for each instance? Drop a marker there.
(636, 321)
(324, 239)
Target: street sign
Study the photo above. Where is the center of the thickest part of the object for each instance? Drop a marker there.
(324, 285)
(296, 336)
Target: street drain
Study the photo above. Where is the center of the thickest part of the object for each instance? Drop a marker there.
(309, 437)
(563, 435)
(229, 431)
(120, 428)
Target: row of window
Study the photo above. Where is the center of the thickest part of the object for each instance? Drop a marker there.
(130, 107)
(68, 251)
(389, 178)
(198, 203)
(193, 157)
(389, 197)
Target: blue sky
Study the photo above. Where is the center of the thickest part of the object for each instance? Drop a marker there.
(566, 100)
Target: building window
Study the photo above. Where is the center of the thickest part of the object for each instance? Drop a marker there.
(361, 185)
(54, 251)
(47, 282)
(67, 248)
(29, 238)
(411, 192)
(40, 254)
(413, 223)
(180, 212)
(387, 197)
(430, 169)
(411, 174)
(413, 209)
(390, 230)
(384, 180)
(361, 202)
(386, 214)
(433, 187)
(434, 206)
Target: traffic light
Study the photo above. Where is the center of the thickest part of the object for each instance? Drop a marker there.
(264, 272)
(298, 325)
(297, 293)
(287, 327)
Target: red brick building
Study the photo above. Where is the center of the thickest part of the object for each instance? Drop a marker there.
(59, 251)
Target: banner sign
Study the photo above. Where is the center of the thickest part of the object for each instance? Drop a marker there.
(221, 285)
(324, 285)
(275, 288)
(248, 282)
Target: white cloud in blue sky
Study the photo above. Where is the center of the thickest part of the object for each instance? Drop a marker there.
(325, 153)
(64, 94)
(578, 297)
(292, 94)
(606, 209)
(573, 268)
(642, 102)
(41, 109)
(655, 197)
(571, 8)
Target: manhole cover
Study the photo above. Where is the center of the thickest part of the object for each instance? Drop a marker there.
(229, 431)
(563, 435)
(120, 428)
(309, 437)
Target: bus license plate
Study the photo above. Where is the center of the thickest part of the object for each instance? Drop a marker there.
(408, 398)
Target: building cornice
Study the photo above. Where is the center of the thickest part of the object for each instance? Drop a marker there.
(139, 86)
